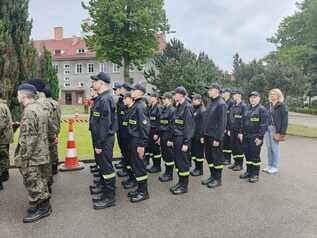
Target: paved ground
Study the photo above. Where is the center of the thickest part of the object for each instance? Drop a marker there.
(303, 119)
(280, 206)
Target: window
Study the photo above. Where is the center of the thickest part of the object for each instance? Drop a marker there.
(79, 68)
(58, 52)
(55, 66)
(81, 84)
(90, 68)
(103, 67)
(81, 51)
(116, 68)
(67, 68)
(66, 79)
(67, 84)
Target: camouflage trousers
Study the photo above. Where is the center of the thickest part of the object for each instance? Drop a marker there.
(4, 158)
(53, 153)
(36, 183)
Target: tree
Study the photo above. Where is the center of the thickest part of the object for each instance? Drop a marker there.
(17, 53)
(177, 66)
(125, 31)
(48, 73)
(295, 41)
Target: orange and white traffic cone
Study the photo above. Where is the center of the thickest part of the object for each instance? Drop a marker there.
(71, 161)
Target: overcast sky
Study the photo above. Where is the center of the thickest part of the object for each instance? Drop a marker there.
(218, 27)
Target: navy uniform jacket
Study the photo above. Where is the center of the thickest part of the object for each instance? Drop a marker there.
(199, 119)
(215, 118)
(255, 122)
(236, 115)
(166, 121)
(103, 119)
(138, 122)
(154, 114)
(184, 123)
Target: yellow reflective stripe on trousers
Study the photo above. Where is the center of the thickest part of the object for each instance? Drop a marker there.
(194, 158)
(227, 151)
(139, 179)
(132, 122)
(211, 165)
(249, 162)
(109, 176)
(157, 156)
(253, 163)
(238, 156)
(183, 174)
(129, 167)
(219, 167)
(200, 159)
(169, 163)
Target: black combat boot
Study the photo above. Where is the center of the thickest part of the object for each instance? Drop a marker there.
(129, 183)
(246, 175)
(95, 170)
(98, 190)
(176, 186)
(198, 171)
(253, 179)
(214, 183)
(122, 173)
(55, 169)
(119, 165)
(106, 200)
(167, 176)
(5, 176)
(183, 186)
(142, 193)
(156, 168)
(42, 210)
(94, 166)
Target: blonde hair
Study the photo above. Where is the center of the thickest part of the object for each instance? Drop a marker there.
(279, 94)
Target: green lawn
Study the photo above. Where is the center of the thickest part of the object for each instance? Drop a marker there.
(72, 109)
(302, 131)
(83, 142)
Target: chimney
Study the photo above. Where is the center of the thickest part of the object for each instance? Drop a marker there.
(59, 33)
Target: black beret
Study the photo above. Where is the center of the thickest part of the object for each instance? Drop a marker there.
(237, 91)
(196, 96)
(154, 94)
(47, 91)
(27, 87)
(214, 85)
(167, 95)
(226, 90)
(117, 85)
(37, 83)
(254, 93)
(181, 90)
(102, 76)
(140, 87)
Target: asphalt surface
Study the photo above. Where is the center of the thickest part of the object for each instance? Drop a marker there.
(279, 206)
(303, 119)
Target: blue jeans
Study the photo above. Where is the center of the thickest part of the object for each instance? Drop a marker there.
(273, 149)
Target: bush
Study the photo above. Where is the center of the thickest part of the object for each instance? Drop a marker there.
(306, 110)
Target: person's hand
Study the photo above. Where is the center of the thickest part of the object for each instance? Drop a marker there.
(55, 142)
(185, 148)
(240, 137)
(158, 141)
(98, 151)
(215, 143)
(202, 140)
(141, 151)
(258, 141)
(155, 137)
(228, 133)
(170, 144)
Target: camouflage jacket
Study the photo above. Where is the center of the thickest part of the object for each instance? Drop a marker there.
(48, 108)
(57, 114)
(32, 149)
(6, 131)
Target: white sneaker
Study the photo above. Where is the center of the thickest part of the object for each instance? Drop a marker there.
(273, 171)
(266, 170)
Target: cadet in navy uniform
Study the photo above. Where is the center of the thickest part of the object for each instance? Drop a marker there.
(103, 127)
(183, 132)
(197, 149)
(154, 149)
(236, 116)
(255, 125)
(138, 129)
(166, 126)
(214, 126)
(227, 144)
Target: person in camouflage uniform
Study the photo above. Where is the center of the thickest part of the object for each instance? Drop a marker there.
(52, 129)
(57, 114)
(31, 155)
(6, 137)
